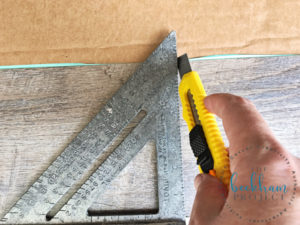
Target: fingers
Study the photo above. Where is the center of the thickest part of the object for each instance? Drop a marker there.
(243, 124)
(209, 201)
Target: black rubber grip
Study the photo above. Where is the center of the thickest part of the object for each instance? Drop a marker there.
(200, 149)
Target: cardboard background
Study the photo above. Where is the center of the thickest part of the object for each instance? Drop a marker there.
(95, 31)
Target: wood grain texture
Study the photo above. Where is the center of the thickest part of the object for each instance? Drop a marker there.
(135, 188)
(41, 110)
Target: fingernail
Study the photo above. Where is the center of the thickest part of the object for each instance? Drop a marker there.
(198, 180)
(206, 102)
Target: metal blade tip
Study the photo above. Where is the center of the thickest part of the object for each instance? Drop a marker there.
(183, 65)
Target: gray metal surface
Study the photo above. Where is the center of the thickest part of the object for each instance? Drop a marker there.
(153, 88)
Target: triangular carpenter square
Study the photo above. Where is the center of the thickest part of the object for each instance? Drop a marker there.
(152, 90)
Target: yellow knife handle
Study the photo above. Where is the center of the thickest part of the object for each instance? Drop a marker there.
(191, 82)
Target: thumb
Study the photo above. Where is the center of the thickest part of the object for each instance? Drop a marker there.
(209, 201)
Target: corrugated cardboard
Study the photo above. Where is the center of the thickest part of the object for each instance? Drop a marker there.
(127, 31)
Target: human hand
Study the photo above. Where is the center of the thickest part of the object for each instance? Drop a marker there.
(253, 151)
